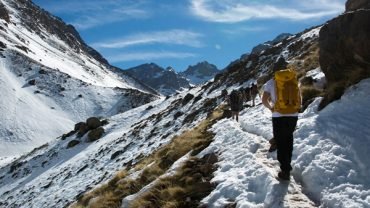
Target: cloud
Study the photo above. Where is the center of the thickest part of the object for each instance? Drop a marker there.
(218, 47)
(233, 11)
(149, 56)
(90, 21)
(175, 37)
(242, 30)
(86, 14)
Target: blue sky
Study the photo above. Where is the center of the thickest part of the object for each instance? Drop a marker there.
(182, 33)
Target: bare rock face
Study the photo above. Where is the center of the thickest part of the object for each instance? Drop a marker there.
(345, 45)
(345, 49)
(353, 5)
(4, 13)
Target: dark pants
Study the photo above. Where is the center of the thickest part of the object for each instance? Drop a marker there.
(283, 128)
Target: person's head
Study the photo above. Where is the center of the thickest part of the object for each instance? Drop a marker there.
(280, 64)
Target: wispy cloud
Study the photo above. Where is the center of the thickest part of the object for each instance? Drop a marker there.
(242, 30)
(85, 14)
(149, 56)
(117, 15)
(175, 37)
(233, 11)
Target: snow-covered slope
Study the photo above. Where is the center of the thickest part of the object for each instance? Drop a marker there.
(50, 79)
(330, 157)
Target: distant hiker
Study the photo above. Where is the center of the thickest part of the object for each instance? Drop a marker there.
(236, 103)
(253, 93)
(247, 93)
(282, 96)
(224, 94)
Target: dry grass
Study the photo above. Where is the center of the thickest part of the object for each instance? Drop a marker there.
(111, 194)
(308, 93)
(336, 89)
(184, 189)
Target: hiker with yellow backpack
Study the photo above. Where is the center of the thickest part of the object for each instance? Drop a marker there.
(282, 96)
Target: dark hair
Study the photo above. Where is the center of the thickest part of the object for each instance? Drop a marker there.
(280, 64)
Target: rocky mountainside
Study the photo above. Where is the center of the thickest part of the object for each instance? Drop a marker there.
(165, 81)
(185, 145)
(200, 73)
(345, 48)
(261, 47)
(50, 79)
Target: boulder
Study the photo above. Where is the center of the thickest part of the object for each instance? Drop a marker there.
(187, 98)
(83, 128)
(95, 134)
(345, 46)
(72, 143)
(345, 51)
(353, 5)
(93, 122)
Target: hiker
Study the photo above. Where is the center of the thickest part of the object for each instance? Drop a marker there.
(253, 93)
(224, 94)
(282, 97)
(236, 103)
(247, 93)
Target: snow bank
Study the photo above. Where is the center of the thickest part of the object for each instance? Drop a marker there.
(331, 161)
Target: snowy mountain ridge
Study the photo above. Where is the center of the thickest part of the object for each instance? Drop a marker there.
(49, 83)
(165, 81)
(200, 73)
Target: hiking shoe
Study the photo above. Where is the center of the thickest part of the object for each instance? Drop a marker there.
(273, 147)
(284, 175)
(273, 144)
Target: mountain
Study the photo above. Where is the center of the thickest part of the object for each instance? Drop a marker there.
(200, 73)
(50, 79)
(165, 81)
(261, 47)
(185, 151)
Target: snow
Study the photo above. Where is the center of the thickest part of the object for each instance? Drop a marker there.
(312, 33)
(330, 158)
(36, 114)
(318, 77)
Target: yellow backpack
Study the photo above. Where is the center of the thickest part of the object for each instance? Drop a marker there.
(288, 97)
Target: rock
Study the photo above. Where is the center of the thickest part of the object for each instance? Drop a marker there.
(187, 98)
(93, 122)
(78, 125)
(345, 46)
(345, 52)
(72, 143)
(352, 5)
(95, 134)
(83, 128)
(32, 82)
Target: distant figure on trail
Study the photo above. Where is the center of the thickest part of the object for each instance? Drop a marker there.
(281, 95)
(224, 94)
(253, 93)
(236, 103)
(247, 93)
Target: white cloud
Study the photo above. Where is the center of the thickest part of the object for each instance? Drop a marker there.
(149, 56)
(117, 15)
(175, 37)
(233, 11)
(85, 14)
